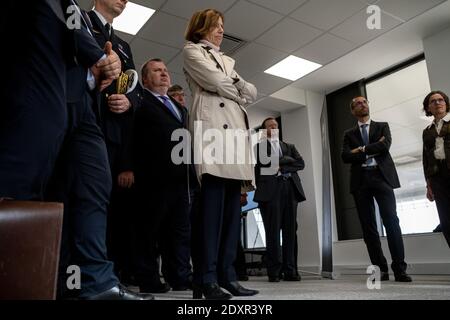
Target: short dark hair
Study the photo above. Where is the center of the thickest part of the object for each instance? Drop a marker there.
(144, 70)
(174, 88)
(263, 124)
(426, 102)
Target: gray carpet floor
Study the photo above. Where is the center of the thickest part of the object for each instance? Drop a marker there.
(346, 287)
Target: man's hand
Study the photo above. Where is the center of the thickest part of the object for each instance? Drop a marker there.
(108, 69)
(430, 195)
(118, 103)
(126, 179)
(111, 65)
(357, 150)
(382, 139)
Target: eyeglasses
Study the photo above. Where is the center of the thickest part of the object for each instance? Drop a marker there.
(437, 101)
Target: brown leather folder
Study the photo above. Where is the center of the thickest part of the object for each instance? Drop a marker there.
(30, 238)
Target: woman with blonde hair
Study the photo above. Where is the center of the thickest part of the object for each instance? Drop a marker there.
(219, 95)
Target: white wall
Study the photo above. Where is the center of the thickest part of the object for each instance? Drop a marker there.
(437, 53)
(302, 128)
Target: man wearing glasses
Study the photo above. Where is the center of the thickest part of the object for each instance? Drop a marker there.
(176, 92)
(373, 176)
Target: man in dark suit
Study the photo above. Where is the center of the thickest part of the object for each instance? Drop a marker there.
(162, 185)
(373, 175)
(46, 103)
(278, 194)
(115, 116)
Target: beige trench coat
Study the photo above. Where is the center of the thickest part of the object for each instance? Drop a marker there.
(218, 103)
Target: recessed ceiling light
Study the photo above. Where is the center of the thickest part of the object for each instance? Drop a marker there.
(132, 18)
(293, 68)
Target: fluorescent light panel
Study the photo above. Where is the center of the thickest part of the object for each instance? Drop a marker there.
(293, 68)
(132, 18)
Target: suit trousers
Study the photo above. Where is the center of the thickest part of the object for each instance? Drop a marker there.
(280, 214)
(440, 184)
(82, 181)
(373, 185)
(164, 228)
(217, 230)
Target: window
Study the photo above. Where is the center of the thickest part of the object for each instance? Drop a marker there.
(397, 98)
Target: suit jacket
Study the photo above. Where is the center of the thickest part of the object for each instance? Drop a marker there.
(116, 127)
(218, 102)
(152, 144)
(430, 165)
(290, 162)
(378, 149)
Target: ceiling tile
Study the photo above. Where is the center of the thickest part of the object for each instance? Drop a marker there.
(165, 29)
(124, 36)
(248, 21)
(325, 49)
(282, 36)
(143, 50)
(256, 58)
(276, 105)
(407, 9)
(185, 8)
(355, 29)
(325, 14)
(86, 4)
(153, 4)
(268, 84)
(284, 7)
(176, 64)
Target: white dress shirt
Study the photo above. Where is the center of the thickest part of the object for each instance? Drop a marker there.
(439, 151)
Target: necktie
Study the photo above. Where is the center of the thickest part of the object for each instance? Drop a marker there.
(170, 107)
(365, 137)
(109, 31)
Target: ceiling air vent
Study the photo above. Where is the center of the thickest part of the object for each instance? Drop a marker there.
(231, 44)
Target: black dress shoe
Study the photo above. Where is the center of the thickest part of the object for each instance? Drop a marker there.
(236, 289)
(292, 277)
(119, 292)
(384, 276)
(211, 291)
(274, 279)
(155, 288)
(402, 277)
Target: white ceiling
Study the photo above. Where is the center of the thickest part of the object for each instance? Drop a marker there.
(330, 32)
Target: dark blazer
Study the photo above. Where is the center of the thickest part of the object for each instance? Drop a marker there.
(290, 162)
(152, 144)
(116, 127)
(430, 165)
(353, 139)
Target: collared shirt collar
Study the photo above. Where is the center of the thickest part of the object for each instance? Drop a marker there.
(446, 119)
(361, 123)
(209, 44)
(101, 17)
(157, 95)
